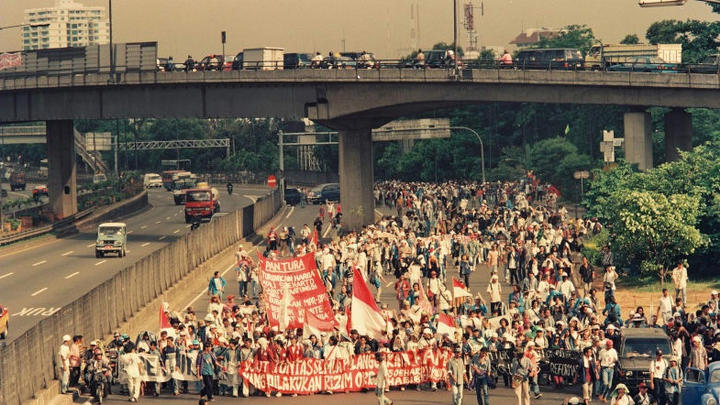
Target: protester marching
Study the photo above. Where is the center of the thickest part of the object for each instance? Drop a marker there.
(307, 317)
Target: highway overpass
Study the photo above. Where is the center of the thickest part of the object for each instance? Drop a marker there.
(351, 101)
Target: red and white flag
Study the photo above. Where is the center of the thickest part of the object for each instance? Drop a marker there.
(314, 325)
(446, 324)
(366, 316)
(424, 302)
(314, 239)
(164, 322)
(459, 289)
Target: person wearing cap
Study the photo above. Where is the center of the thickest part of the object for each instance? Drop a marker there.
(621, 395)
(657, 372)
(698, 354)
(64, 355)
(99, 363)
(608, 359)
(673, 381)
(644, 397)
(456, 376)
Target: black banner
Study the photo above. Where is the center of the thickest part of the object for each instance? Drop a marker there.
(563, 363)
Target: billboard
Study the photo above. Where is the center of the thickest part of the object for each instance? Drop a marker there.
(424, 128)
(98, 141)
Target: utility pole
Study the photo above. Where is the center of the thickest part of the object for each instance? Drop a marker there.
(455, 30)
(281, 160)
(112, 56)
(117, 134)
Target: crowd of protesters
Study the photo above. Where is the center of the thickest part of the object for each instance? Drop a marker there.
(541, 295)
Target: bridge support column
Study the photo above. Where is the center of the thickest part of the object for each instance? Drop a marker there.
(62, 186)
(356, 177)
(678, 133)
(638, 139)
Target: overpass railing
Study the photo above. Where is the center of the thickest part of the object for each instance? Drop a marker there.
(28, 363)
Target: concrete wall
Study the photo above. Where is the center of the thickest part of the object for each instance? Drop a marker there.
(27, 364)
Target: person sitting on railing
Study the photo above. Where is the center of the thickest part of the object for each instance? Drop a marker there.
(316, 61)
(189, 64)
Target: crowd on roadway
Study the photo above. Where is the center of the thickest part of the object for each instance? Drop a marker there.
(503, 260)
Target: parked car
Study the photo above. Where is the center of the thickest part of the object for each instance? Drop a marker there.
(711, 64)
(550, 58)
(646, 64)
(111, 238)
(152, 180)
(362, 62)
(17, 181)
(292, 196)
(701, 387)
(337, 62)
(40, 190)
(4, 321)
(324, 192)
(297, 60)
(637, 349)
(211, 62)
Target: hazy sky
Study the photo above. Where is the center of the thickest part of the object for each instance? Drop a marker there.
(381, 26)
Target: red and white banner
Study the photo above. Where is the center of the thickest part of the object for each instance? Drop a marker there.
(459, 289)
(308, 376)
(10, 60)
(299, 277)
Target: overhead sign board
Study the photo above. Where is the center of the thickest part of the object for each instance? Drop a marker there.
(424, 128)
(98, 141)
(581, 174)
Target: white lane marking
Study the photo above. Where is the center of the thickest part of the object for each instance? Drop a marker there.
(327, 231)
(175, 214)
(100, 262)
(162, 237)
(129, 232)
(143, 227)
(39, 263)
(188, 226)
(176, 231)
(38, 292)
(7, 275)
(72, 275)
(378, 212)
(167, 218)
(157, 222)
(290, 213)
(69, 252)
(145, 244)
(204, 291)
(90, 245)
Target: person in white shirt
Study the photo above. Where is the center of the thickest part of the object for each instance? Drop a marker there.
(64, 354)
(566, 287)
(664, 311)
(381, 380)
(608, 358)
(495, 291)
(657, 373)
(680, 279)
(133, 369)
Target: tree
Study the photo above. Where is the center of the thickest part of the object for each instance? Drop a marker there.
(654, 230)
(572, 36)
(630, 39)
(699, 38)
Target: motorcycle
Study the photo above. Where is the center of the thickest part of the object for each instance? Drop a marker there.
(99, 379)
(229, 188)
(195, 224)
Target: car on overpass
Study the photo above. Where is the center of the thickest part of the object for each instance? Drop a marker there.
(111, 238)
(649, 64)
(4, 321)
(324, 193)
(294, 60)
(711, 64)
(550, 59)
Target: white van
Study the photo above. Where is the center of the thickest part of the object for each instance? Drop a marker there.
(152, 180)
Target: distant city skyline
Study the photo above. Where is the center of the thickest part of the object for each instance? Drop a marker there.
(384, 27)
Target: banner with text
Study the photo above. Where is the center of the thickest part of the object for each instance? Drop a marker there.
(309, 376)
(298, 276)
(10, 60)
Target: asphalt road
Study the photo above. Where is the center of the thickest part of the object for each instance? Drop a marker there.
(38, 279)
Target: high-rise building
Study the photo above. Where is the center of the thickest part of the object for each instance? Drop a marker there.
(67, 24)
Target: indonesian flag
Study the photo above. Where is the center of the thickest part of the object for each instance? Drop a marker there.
(314, 239)
(366, 317)
(424, 302)
(446, 324)
(554, 190)
(314, 325)
(459, 289)
(164, 322)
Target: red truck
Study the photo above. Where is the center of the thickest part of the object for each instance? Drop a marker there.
(201, 203)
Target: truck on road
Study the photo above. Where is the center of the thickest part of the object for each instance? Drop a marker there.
(201, 203)
(602, 56)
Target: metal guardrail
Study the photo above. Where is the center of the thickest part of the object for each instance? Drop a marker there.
(57, 226)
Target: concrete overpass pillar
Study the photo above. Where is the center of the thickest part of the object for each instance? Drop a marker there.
(62, 185)
(356, 177)
(678, 133)
(638, 139)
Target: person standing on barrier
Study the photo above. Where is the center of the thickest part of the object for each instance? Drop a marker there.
(64, 357)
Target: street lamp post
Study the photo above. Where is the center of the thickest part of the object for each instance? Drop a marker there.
(482, 148)
(112, 57)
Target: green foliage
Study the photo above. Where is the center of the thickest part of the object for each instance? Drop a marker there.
(630, 39)
(573, 36)
(554, 160)
(654, 230)
(699, 38)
